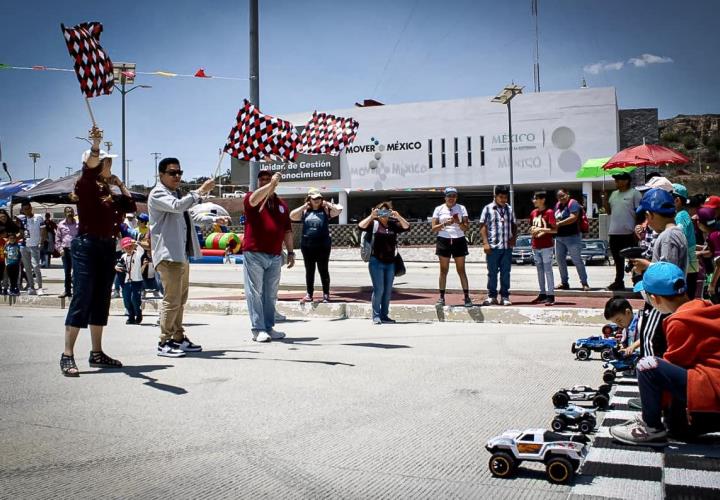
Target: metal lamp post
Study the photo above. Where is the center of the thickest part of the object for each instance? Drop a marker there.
(124, 72)
(505, 97)
(34, 157)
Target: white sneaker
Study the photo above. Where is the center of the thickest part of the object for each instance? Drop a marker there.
(637, 432)
(490, 301)
(170, 349)
(261, 336)
(115, 295)
(275, 335)
(32, 291)
(506, 302)
(156, 294)
(39, 291)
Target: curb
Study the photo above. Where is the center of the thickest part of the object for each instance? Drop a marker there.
(403, 313)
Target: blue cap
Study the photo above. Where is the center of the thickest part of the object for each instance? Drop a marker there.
(680, 190)
(657, 201)
(450, 190)
(662, 278)
(143, 217)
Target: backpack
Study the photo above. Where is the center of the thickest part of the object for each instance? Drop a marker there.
(583, 223)
(366, 242)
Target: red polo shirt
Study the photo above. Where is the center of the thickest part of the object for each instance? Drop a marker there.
(265, 230)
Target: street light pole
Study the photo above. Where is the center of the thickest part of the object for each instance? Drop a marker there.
(156, 155)
(254, 68)
(34, 157)
(108, 145)
(505, 97)
(125, 73)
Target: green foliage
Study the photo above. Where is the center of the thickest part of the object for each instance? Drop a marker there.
(689, 141)
(669, 137)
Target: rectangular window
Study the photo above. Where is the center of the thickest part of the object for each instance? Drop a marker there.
(482, 150)
(442, 152)
(430, 153)
(457, 153)
(469, 143)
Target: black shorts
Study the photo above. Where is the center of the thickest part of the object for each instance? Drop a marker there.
(451, 247)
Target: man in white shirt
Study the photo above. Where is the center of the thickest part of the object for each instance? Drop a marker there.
(450, 221)
(34, 236)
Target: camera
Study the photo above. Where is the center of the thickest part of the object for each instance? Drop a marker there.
(631, 253)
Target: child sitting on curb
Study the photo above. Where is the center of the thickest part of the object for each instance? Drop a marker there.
(620, 312)
(688, 372)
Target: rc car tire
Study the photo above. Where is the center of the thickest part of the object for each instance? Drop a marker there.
(586, 426)
(558, 424)
(583, 354)
(560, 400)
(604, 389)
(606, 354)
(601, 401)
(559, 470)
(609, 376)
(502, 464)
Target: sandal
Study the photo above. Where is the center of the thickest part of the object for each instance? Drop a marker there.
(68, 366)
(101, 360)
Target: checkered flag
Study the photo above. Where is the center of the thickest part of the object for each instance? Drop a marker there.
(327, 134)
(257, 136)
(93, 67)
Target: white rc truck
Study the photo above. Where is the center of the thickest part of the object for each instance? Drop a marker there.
(561, 454)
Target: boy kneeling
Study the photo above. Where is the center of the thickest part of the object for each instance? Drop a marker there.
(688, 372)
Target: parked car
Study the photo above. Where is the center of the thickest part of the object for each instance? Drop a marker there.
(595, 252)
(522, 252)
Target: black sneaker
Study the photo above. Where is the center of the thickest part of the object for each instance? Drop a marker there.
(130, 321)
(440, 302)
(170, 349)
(187, 346)
(468, 302)
(388, 321)
(550, 301)
(539, 299)
(615, 287)
(138, 319)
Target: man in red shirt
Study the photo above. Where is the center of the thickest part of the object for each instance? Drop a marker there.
(542, 230)
(267, 226)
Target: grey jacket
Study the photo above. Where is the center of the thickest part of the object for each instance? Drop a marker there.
(168, 231)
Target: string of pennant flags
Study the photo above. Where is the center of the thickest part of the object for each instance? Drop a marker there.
(200, 73)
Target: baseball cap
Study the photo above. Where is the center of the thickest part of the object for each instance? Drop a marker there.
(103, 154)
(657, 183)
(143, 217)
(662, 278)
(680, 190)
(706, 215)
(450, 190)
(622, 176)
(657, 201)
(314, 193)
(126, 242)
(712, 202)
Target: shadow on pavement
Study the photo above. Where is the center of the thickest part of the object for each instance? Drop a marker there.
(139, 372)
(219, 354)
(379, 346)
(297, 340)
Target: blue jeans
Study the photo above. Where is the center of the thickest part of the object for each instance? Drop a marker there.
(262, 278)
(572, 245)
(31, 261)
(500, 259)
(131, 298)
(543, 264)
(67, 268)
(667, 377)
(93, 272)
(382, 276)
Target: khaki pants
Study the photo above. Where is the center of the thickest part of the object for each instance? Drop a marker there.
(176, 280)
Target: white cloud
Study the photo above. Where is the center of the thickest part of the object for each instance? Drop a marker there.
(601, 66)
(646, 59)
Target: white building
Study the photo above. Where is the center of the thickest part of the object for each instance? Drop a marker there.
(412, 151)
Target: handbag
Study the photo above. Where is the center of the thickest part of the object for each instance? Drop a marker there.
(399, 265)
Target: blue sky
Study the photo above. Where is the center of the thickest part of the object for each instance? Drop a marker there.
(324, 54)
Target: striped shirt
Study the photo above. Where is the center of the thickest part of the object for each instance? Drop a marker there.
(499, 222)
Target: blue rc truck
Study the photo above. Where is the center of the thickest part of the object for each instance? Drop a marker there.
(583, 347)
(622, 364)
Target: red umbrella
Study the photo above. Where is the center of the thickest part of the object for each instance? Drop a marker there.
(646, 155)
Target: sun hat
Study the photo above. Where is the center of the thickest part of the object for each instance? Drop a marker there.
(662, 278)
(103, 154)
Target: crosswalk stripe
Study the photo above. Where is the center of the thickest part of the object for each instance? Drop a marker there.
(608, 487)
(625, 457)
(690, 477)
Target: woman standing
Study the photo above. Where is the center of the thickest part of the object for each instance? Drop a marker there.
(100, 214)
(450, 221)
(383, 225)
(315, 245)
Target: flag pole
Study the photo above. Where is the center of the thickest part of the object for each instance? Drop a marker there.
(217, 169)
(92, 117)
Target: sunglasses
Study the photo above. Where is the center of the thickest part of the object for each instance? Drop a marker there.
(174, 173)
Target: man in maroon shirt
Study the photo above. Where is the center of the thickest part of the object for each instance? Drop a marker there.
(267, 226)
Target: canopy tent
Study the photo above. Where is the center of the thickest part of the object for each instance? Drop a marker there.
(593, 168)
(59, 191)
(8, 189)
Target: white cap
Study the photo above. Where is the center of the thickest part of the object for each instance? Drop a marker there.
(657, 183)
(103, 154)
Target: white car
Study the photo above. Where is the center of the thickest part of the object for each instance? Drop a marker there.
(561, 454)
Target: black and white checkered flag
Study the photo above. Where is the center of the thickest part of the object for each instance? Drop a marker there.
(93, 67)
(327, 134)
